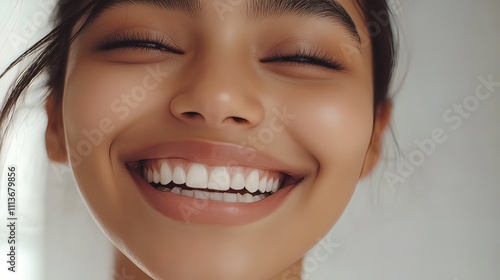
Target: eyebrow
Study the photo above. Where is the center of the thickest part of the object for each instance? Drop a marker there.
(329, 9)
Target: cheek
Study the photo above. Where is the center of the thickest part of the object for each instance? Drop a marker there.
(100, 100)
(336, 126)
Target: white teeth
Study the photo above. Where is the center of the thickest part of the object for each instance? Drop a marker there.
(150, 176)
(246, 198)
(217, 196)
(252, 181)
(259, 197)
(238, 182)
(275, 186)
(165, 173)
(229, 197)
(179, 176)
(187, 193)
(219, 179)
(197, 176)
(269, 186)
(201, 195)
(176, 190)
(263, 184)
(156, 177)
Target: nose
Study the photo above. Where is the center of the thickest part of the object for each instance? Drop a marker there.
(219, 95)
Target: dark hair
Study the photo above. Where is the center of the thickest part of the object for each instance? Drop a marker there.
(51, 52)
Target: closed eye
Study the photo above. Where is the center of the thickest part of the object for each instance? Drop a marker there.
(307, 58)
(138, 41)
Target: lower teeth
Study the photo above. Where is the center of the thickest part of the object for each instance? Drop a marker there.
(216, 196)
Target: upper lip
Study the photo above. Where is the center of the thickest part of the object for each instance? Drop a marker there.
(214, 154)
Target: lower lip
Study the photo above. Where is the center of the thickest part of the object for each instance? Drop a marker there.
(198, 211)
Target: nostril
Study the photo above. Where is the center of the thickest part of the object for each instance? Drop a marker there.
(196, 116)
(192, 115)
(239, 120)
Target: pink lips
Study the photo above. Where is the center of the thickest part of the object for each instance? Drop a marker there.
(192, 210)
(213, 154)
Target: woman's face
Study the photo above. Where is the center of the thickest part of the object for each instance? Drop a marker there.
(262, 112)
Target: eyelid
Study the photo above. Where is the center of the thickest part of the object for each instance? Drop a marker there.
(127, 39)
(317, 58)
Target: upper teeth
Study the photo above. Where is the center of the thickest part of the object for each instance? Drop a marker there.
(219, 178)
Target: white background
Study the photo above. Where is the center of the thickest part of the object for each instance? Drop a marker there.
(442, 222)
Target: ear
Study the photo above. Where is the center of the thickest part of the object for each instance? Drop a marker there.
(383, 116)
(54, 135)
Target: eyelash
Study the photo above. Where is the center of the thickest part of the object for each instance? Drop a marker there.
(147, 42)
(308, 57)
(137, 41)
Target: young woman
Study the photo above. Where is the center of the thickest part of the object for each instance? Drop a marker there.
(215, 139)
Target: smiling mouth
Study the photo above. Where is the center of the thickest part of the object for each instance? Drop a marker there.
(232, 184)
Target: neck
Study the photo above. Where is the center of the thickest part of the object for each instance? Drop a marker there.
(126, 269)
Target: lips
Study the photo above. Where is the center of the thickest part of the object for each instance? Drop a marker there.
(233, 187)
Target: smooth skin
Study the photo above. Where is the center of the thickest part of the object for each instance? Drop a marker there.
(217, 90)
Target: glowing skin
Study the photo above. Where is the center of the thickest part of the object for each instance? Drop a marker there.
(220, 90)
